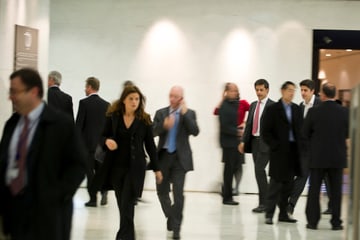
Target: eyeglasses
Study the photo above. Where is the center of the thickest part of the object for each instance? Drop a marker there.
(13, 92)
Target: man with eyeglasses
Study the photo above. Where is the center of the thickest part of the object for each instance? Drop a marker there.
(42, 163)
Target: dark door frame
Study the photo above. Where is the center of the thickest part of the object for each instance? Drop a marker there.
(331, 39)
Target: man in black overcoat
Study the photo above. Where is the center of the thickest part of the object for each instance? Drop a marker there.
(282, 132)
(42, 163)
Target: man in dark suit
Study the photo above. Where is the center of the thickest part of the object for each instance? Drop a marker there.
(174, 124)
(281, 130)
(307, 88)
(327, 127)
(42, 163)
(58, 99)
(252, 141)
(90, 120)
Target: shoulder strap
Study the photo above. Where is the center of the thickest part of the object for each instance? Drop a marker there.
(114, 121)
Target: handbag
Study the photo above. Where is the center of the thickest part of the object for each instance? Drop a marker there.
(99, 153)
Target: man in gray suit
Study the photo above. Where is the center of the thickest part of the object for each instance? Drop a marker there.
(174, 124)
(327, 128)
(252, 141)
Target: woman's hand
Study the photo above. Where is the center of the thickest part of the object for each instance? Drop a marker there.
(158, 177)
(111, 144)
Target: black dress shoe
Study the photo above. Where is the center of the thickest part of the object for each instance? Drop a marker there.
(287, 219)
(104, 199)
(169, 224)
(336, 228)
(327, 211)
(90, 204)
(269, 221)
(311, 226)
(230, 202)
(259, 209)
(290, 209)
(176, 235)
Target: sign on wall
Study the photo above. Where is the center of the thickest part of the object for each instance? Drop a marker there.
(26, 47)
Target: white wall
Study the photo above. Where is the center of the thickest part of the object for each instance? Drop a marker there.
(31, 13)
(201, 45)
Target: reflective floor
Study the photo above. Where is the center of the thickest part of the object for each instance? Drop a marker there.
(205, 217)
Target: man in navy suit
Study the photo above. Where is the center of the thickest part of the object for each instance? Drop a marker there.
(174, 124)
(327, 128)
(42, 163)
(90, 121)
(58, 99)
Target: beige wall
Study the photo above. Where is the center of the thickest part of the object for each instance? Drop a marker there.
(344, 72)
(32, 13)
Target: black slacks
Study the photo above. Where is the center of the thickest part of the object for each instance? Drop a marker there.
(278, 194)
(261, 159)
(92, 167)
(173, 173)
(125, 198)
(313, 202)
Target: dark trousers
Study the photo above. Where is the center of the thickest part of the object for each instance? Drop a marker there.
(125, 198)
(173, 173)
(299, 185)
(313, 202)
(21, 221)
(92, 168)
(261, 159)
(300, 181)
(231, 158)
(278, 194)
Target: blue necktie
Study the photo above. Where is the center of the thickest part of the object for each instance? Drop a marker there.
(288, 115)
(172, 134)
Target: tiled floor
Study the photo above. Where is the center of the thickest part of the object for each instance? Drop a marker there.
(204, 218)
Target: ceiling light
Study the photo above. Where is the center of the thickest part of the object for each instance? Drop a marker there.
(328, 55)
(349, 50)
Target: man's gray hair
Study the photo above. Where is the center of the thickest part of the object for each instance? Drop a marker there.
(56, 76)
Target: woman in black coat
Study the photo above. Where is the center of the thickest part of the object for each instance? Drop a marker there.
(127, 130)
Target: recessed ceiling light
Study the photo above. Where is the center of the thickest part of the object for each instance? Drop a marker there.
(349, 50)
(328, 55)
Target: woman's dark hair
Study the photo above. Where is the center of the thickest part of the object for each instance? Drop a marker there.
(118, 107)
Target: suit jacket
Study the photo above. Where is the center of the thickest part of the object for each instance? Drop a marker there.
(141, 136)
(306, 144)
(275, 132)
(247, 137)
(55, 168)
(187, 126)
(90, 120)
(327, 127)
(317, 101)
(59, 100)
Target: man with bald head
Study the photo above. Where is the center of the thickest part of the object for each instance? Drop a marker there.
(327, 128)
(174, 124)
